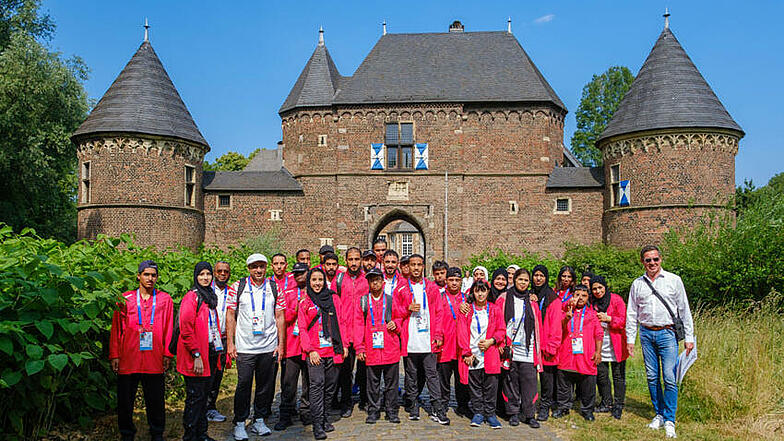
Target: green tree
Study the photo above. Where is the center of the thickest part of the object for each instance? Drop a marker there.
(599, 101)
(42, 101)
(230, 161)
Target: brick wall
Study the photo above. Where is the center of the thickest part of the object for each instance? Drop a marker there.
(159, 227)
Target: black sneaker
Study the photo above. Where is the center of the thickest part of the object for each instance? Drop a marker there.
(560, 413)
(328, 427)
(347, 413)
(306, 419)
(441, 418)
(616, 412)
(371, 418)
(394, 419)
(413, 414)
(543, 415)
(514, 421)
(283, 423)
(602, 409)
(532, 423)
(588, 416)
(318, 432)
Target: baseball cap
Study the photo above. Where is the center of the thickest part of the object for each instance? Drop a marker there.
(300, 267)
(148, 264)
(373, 273)
(255, 257)
(326, 249)
(368, 254)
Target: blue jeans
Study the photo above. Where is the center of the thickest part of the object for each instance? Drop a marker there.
(656, 346)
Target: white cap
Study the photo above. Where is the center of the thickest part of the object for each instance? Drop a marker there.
(255, 257)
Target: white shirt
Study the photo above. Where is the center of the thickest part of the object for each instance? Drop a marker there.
(223, 300)
(246, 342)
(483, 317)
(389, 287)
(608, 354)
(645, 309)
(419, 342)
(519, 352)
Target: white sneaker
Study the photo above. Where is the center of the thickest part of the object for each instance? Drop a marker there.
(657, 423)
(239, 431)
(259, 428)
(669, 429)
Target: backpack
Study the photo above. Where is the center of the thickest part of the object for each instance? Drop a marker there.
(176, 330)
(339, 284)
(244, 281)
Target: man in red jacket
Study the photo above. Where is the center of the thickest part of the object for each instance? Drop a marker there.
(447, 358)
(139, 351)
(419, 304)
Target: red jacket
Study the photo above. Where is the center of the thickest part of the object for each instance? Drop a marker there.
(351, 289)
(124, 337)
(495, 330)
(309, 339)
(617, 327)
(552, 333)
(285, 283)
(363, 340)
(194, 335)
(449, 349)
(293, 296)
(500, 302)
(403, 295)
(565, 296)
(592, 331)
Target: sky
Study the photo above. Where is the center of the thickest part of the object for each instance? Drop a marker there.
(235, 62)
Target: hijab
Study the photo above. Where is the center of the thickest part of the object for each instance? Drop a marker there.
(468, 282)
(323, 299)
(494, 292)
(600, 305)
(205, 293)
(544, 291)
(525, 296)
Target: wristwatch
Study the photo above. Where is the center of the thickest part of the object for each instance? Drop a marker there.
(196, 354)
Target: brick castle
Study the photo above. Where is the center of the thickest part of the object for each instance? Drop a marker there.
(456, 133)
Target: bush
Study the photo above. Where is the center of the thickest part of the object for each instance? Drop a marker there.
(500, 259)
(620, 267)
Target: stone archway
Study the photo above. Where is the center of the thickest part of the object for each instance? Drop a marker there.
(398, 216)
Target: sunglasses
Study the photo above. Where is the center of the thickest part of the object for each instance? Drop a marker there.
(652, 259)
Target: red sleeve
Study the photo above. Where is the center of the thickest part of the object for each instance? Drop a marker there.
(188, 322)
(231, 298)
(303, 322)
(554, 327)
(463, 337)
(598, 331)
(291, 306)
(359, 326)
(499, 304)
(168, 327)
(434, 298)
(115, 337)
(280, 302)
(344, 320)
(402, 299)
(618, 316)
(500, 326)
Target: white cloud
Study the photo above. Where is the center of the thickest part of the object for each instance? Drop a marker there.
(545, 19)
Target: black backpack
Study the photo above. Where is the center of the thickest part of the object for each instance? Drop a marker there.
(244, 281)
(176, 330)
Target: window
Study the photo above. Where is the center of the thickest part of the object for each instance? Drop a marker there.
(190, 186)
(325, 241)
(406, 244)
(224, 201)
(322, 140)
(399, 139)
(615, 185)
(513, 207)
(563, 205)
(275, 215)
(86, 182)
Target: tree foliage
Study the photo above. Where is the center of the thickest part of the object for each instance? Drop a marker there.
(42, 101)
(747, 195)
(600, 99)
(230, 161)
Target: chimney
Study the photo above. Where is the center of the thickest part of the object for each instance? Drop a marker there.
(456, 26)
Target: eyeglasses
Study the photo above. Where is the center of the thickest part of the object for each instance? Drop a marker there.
(652, 259)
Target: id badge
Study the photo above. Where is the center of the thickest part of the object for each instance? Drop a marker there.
(258, 326)
(216, 342)
(295, 331)
(577, 345)
(145, 341)
(421, 323)
(323, 341)
(510, 330)
(378, 339)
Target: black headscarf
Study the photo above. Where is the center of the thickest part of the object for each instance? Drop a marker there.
(205, 293)
(544, 291)
(525, 297)
(600, 305)
(494, 293)
(329, 316)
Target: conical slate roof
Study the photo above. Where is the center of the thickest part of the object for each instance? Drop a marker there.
(142, 100)
(317, 84)
(669, 92)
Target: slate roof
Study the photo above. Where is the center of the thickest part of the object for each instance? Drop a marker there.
(576, 177)
(431, 67)
(669, 92)
(317, 84)
(142, 100)
(280, 180)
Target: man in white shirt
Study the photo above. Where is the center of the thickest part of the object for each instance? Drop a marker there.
(657, 334)
(256, 331)
(222, 290)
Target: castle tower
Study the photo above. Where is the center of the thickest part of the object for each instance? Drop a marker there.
(140, 160)
(669, 150)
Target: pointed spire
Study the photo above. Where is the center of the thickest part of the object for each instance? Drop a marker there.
(666, 18)
(321, 36)
(509, 25)
(384, 28)
(146, 30)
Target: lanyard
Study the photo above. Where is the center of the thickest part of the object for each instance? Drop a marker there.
(139, 308)
(476, 316)
(463, 295)
(225, 294)
(449, 302)
(522, 317)
(424, 294)
(383, 311)
(567, 296)
(393, 280)
(582, 317)
(299, 294)
(209, 314)
(263, 296)
(541, 304)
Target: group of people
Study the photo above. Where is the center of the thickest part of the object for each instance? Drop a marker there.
(514, 346)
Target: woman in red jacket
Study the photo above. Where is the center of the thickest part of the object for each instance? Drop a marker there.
(199, 337)
(552, 312)
(139, 351)
(322, 331)
(612, 315)
(478, 336)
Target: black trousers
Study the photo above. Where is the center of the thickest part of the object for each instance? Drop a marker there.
(426, 364)
(519, 386)
(548, 397)
(153, 388)
(586, 390)
(391, 374)
(194, 417)
(618, 383)
(323, 381)
(264, 368)
(360, 379)
(291, 370)
(216, 378)
(484, 389)
(346, 381)
(446, 371)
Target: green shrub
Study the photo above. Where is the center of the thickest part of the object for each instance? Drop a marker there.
(620, 267)
(500, 259)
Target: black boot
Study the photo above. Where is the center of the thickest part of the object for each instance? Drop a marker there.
(616, 412)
